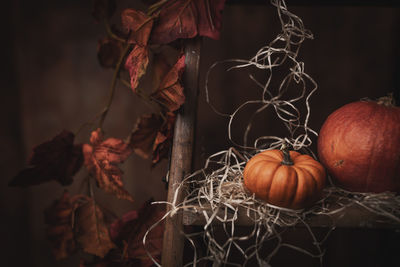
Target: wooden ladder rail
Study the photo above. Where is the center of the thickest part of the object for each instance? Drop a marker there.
(181, 154)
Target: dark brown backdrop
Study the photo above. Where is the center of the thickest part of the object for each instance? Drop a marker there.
(51, 80)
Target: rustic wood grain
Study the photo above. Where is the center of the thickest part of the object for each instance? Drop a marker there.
(181, 157)
(351, 217)
(322, 2)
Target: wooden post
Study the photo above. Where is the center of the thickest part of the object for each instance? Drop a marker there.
(181, 156)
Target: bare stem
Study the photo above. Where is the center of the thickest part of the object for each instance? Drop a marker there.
(155, 7)
(148, 100)
(88, 123)
(113, 85)
(387, 101)
(286, 156)
(110, 32)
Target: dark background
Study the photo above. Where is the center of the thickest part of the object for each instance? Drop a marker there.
(51, 80)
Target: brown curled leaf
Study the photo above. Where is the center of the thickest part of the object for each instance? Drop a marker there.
(90, 229)
(58, 159)
(210, 17)
(58, 218)
(136, 64)
(128, 233)
(187, 19)
(109, 51)
(102, 158)
(170, 92)
(163, 141)
(177, 19)
(144, 134)
(138, 25)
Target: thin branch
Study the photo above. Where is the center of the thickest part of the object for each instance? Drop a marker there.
(148, 100)
(156, 7)
(111, 33)
(113, 85)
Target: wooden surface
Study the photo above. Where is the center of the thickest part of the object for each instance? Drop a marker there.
(323, 2)
(182, 151)
(351, 217)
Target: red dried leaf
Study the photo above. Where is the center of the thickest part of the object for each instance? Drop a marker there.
(163, 141)
(188, 18)
(129, 231)
(102, 159)
(91, 232)
(58, 159)
(138, 24)
(103, 9)
(119, 230)
(160, 139)
(152, 135)
(177, 19)
(174, 74)
(210, 17)
(136, 64)
(170, 93)
(59, 230)
(109, 51)
(160, 68)
(144, 134)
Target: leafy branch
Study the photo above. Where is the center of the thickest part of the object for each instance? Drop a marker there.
(78, 222)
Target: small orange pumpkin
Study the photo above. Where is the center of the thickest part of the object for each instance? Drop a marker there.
(285, 179)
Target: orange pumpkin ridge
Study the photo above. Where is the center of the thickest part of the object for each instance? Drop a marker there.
(271, 178)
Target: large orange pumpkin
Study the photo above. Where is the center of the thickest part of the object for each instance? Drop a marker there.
(285, 179)
(359, 144)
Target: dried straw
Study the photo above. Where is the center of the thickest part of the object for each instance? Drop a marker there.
(215, 194)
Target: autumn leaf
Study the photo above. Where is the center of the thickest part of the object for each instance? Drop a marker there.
(91, 231)
(138, 25)
(128, 233)
(120, 228)
(210, 17)
(188, 18)
(58, 159)
(103, 9)
(136, 64)
(177, 19)
(144, 134)
(158, 68)
(109, 51)
(152, 136)
(102, 159)
(58, 218)
(170, 92)
(163, 141)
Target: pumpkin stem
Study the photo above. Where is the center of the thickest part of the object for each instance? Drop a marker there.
(286, 156)
(387, 101)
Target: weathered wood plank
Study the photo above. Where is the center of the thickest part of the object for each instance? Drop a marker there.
(393, 3)
(181, 156)
(351, 217)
